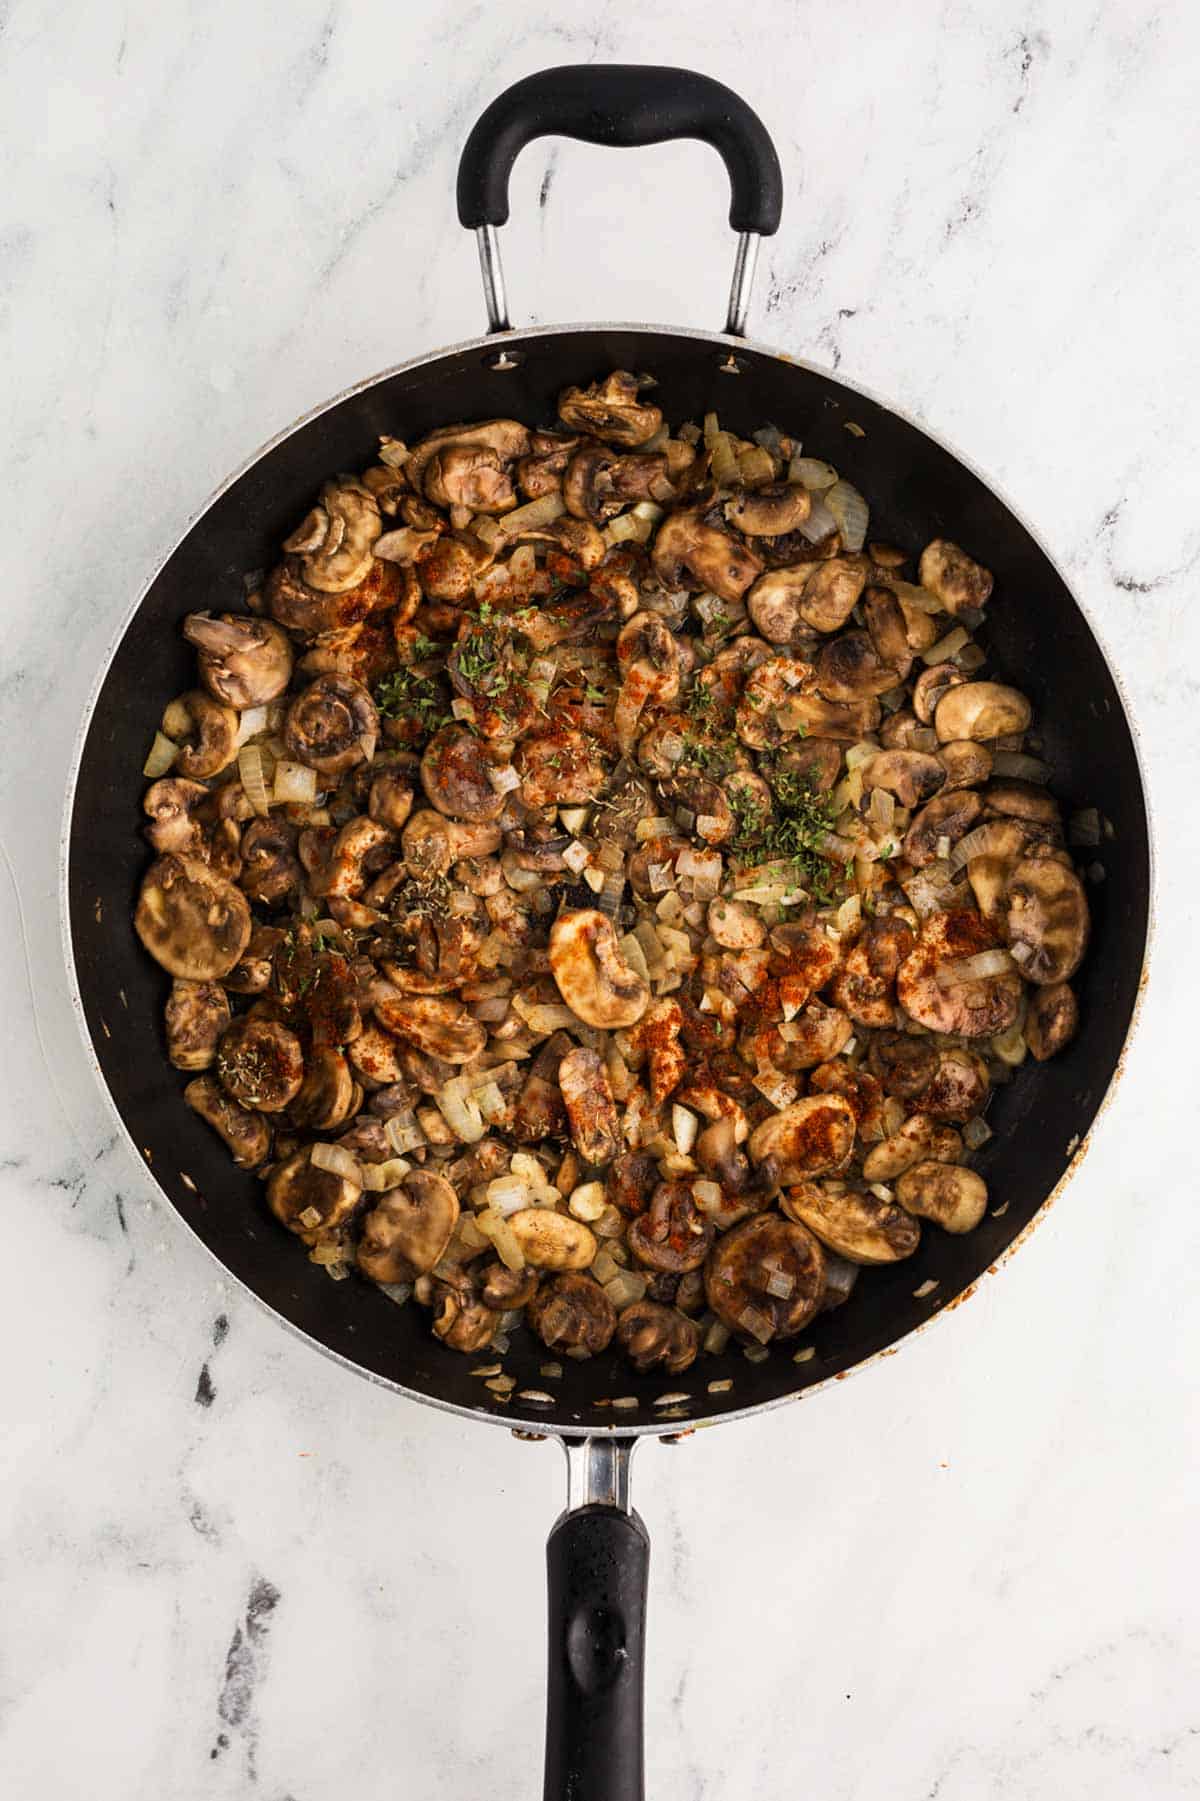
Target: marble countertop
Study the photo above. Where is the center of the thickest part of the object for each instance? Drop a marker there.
(228, 1568)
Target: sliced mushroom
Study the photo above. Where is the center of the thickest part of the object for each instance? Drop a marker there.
(911, 775)
(309, 611)
(1051, 1021)
(197, 1014)
(769, 512)
(1025, 801)
(327, 1096)
(610, 409)
(588, 489)
(735, 926)
(550, 1240)
(952, 577)
(172, 807)
(591, 1109)
(253, 973)
(967, 765)
(832, 592)
(914, 1142)
(271, 870)
(718, 1153)
(631, 1181)
(672, 1235)
(432, 844)
(808, 1138)
(804, 958)
(818, 1033)
(205, 731)
(718, 561)
(652, 1335)
(886, 623)
(902, 1063)
(1047, 920)
(981, 710)
(440, 1028)
(817, 763)
(507, 437)
(408, 1228)
(336, 540)
(243, 661)
(572, 1313)
(860, 1089)
(592, 976)
(774, 603)
(360, 849)
(191, 920)
(390, 800)
(506, 1290)
(972, 1009)
(559, 768)
(455, 774)
(375, 1057)
(931, 685)
(952, 1197)
(746, 1278)
(449, 567)
(988, 871)
(247, 1134)
(297, 1190)
(332, 726)
(865, 986)
(261, 1064)
(959, 1089)
(858, 1226)
(460, 1319)
(850, 668)
(540, 1112)
(946, 819)
(469, 475)
(705, 799)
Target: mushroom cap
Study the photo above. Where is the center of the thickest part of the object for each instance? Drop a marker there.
(296, 1184)
(592, 976)
(931, 685)
(192, 921)
(505, 1289)
(469, 475)
(888, 628)
(812, 1136)
(550, 1240)
(948, 815)
(953, 1197)
(911, 775)
(261, 1064)
(247, 1134)
(769, 511)
(912, 1143)
(981, 710)
(196, 1015)
(972, 1009)
(743, 1262)
(858, 1226)
(306, 610)
(571, 1312)
(210, 732)
(714, 558)
(672, 1235)
(850, 668)
(327, 1095)
(243, 661)
(1011, 799)
(818, 1033)
(832, 592)
(610, 409)
(332, 726)
(903, 1063)
(1047, 913)
(1051, 1020)
(507, 437)
(455, 776)
(440, 1028)
(966, 764)
(651, 1334)
(409, 1227)
(774, 602)
(336, 540)
(959, 1088)
(953, 577)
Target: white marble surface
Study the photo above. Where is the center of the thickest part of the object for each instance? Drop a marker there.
(969, 1574)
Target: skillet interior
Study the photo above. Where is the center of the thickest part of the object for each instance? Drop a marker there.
(917, 489)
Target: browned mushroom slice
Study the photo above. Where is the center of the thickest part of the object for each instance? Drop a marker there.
(326, 1098)
(705, 799)
(506, 1290)
(911, 775)
(735, 926)
(860, 1089)
(855, 1225)
(391, 797)
(774, 603)
(507, 437)
(205, 731)
(967, 765)
(817, 1033)
(915, 1142)
(959, 1089)
(336, 540)
(460, 1319)
(541, 472)
(631, 1181)
(191, 920)
(902, 1063)
(247, 1134)
(865, 985)
(652, 1335)
(981, 710)
(332, 726)
(996, 850)
(432, 844)
(550, 1240)
(559, 768)
(718, 1153)
(953, 577)
(440, 1028)
(1047, 920)
(770, 511)
(1051, 1021)
(455, 774)
(591, 1109)
(271, 870)
(714, 558)
(592, 976)
(938, 827)
(588, 489)
(672, 1235)
(806, 1139)
(610, 409)
(197, 1014)
(850, 668)
(469, 475)
(409, 1225)
(1023, 800)
(817, 763)
(803, 959)
(931, 685)
(375, 1057)
(243, 661)
(765, 1279)
(309, 611)
(572, 1313)
(952, 1197)
(261, 1064)
(308, 1200)
(361, 848)
(832, 592)
(888, 628)
(973, 1008)
(252, 974)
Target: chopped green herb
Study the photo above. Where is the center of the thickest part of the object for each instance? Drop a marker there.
(406, 695)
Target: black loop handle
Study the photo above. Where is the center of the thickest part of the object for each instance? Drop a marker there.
(597, 1562)
(622, 104)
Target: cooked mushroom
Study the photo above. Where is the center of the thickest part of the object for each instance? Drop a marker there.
(816, 763)
(390, 801)
(886, 623)
(806, 1139)
(672, 1235)
(859, 1088)
(774, 603)
(506, 1290)
(253, 972)
(455, 774)
(449, 567)
(951, 1196)
(856, 1225)
(300, 608)
(735, 926)
(588, 489)
(172, 807)
(1047, 920)
(507, 437)
(1051, 1021)
(440, 1028)
(768, 512)
(1023, 800)
(832, 592)
(818, 1033)
(916, 1141)
(261, 1064)
(931, 685)
(705, 799)
(953, 577)
(247, 1134)
(408, 1228)
(959, 1088)
(903, 1064)
(197, 1013)
(850, 668)
(335, 541)
(591, 1109)
(939, 826)
(243, 661)
(572, 1313)
(559, 768)
(205, 731)
(994, 859)
(865, 986)
(610, 409)
(432, 844)
(717, 1152)
(327, 1095)
(973, 1008)
(981, 710)
(719, 562)
(469, 475)
(651, 1335)
(332, 726)
(540, 1111)
(966, 764)
(359, 850)
(271, 870)
(192, 921)
(592, 976)
(911, 775)
(460, 1319)
(375, 1057)
(550, 1240)
(765, 1279)
(308, 1200)
(632, 1180)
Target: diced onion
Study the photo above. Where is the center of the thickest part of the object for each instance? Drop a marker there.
(338, 1162)
(403, 1133)
(945, 648)
(251, 722)
(587, 1202)
(882, 1192)
(812, 473)
(504, 780)
(576, 856)
(493, 1225)
(974, 969)
(781, 1285)
(508, 1194)
(490, 1097)
(162, 754)
(252, 770)
(860, 753)
(648, 509)
(543, 1016)
(716, 1338)
(775, 1087)
(595, 878)
(850, 511)
(708, 1196)
(294, 784)
(462, 709)
(627, 527)
(460, 1112)
(819, 524)
(658, 826)
(1010, 1046)
(542, 511)
(310, 1219)
(378, 1177)
(574, 818)
(976, 1132)
(684, 1126)
(759, 1325)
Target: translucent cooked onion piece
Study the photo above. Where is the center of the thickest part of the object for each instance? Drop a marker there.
(294, 784)
(850, 511)
(338, 1162)
(378, 1177)
(253, 773)
(978, 968)
(162, 754)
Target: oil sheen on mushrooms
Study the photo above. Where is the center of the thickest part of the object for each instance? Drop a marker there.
(599, 892)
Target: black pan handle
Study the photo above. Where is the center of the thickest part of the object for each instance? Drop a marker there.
(597, 1561)
(621, 104)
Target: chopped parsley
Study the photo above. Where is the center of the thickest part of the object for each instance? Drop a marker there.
(793, 832)
(407, 695)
